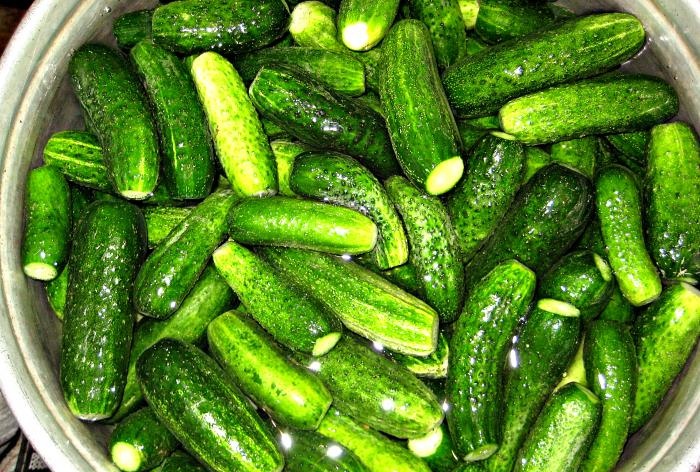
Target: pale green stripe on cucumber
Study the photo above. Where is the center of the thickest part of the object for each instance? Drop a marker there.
(78, 155)
(362, 24)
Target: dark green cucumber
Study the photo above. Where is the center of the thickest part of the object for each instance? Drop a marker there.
(117, 110)
(672, 201)
(546, 218)
(314, 115)
(434, 250)
(618, 308)
(364, 301)
(308, 451)
(433, 366)
(140, 442)
(665, 334)
(306, 224)
(619, 207)
(562, 433)
(483, 196)
(362, 24)
(622, 103)
(313, 25)
(78, 155)
(132, 27)
(46, 241)
(592, 238)
(292, 317)
(241, 144)
(422, 129)
(436, 449)
(578, 154)
(500, 20)
(481, 83)
(188, 161)
(285, 153)
(611, 368)
(341, 180)
(173, 268)
(544, 347)
(404, 277)
(633, 145)
(536, 158)
(57, 292)
(108, 245)
(161, 220)
(285, 390)
(478, 348)
(581, 278)
(210, 417)
(210, 297)
(444, 21)
(470, 136)
(180, 461)
(226, 26)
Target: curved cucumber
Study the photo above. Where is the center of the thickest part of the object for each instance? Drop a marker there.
(132, 27)
(140, 442)
(78, 155)
(444, 21)
(308, 451)
(362, 24)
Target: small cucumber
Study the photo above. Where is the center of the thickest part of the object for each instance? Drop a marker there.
(140, 442)
(618, 308)
(161, 220)
(78, 155)
(308, 451)
(313, 25)
(180, 461)
(578, 154)
(436, 449)
(132, 27)
(446, 25)
(362, 24)
(500, 20)
(433, 366)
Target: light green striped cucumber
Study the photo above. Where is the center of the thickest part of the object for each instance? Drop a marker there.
(78, 155)
(285, 153)
(362, 24)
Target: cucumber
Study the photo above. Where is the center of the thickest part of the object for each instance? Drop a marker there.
(181, 462)
(470, 136)
(403, 276)
(434, 250)
(161, 220)
(188, 162)
(475, 45)
(78, 155)
(469, 10)
(362, 24)
(562, 433)
(618, 308)
(116, 108)
(292, 222)
(633, 145)
(225, 26)
(372, 61)
(500, 20)
(611, 370)
(285, 154)
(241, 144)
(173, 268)
(622, 103)
(365, 302)
(433, 366)
(483, 196)
(436, 449)
(140, 442)
(578, 154)
(341, 180)
(308, 451)
(313, 25)
(57, 292)
(478, 349)
(46, 241)
(672, 198)
(108, 245)
(272, 131)
(132, 27)
(547, 217)
(422, 129)
(212, 419)
(446, 25)
(535, 159)
(592, 238)
(665, 334)
(315, 116)
(292, 317)
(618, 202)
(480, 84)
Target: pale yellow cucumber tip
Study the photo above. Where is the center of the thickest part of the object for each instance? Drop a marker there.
(481, 453)
(426, 445)
(445, 176)
(558, 307)
(325, 344)
(135, 194)
(603, 267)
(502, 135)
(356, 36)
(126, 457)
(40, 271)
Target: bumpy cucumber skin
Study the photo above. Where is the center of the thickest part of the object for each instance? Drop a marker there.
(286, 153)
(470, 136)
(98, 321)
(672, 191)
(115, 105)
(477, 205)
(434, 248)
(311, 452)
(377, 16)
(633, 145)
(619, 207)
(181, 462)
(621, 103)
(212, 419)
(78, 155)
(132, 27)
(500, 20)
(433, 366)
(611, 369)
(618, 308)
(481, 83)
(161, 220)
(478, 349)
(444, 21)
(578, 154)
(313, 25)
(142, 431)
(665, 334)
(403, 276)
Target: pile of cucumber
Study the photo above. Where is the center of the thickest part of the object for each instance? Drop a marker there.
(369, 235)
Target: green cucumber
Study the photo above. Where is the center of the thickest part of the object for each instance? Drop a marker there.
(57, 292)
(226, 26)
(665, 334)
(434, 249)
(480, 84)
(372, 61)
(446, 25)
(161, 220)
(140, 442)
(341, 180)
(212, 419)
(362, 24)
(436, 449)
(619, 206)
(672, 199)
(483, 196)
(365, 302)
(470, 136)
(578, 154)
(180, 461)
(612, 374)
(536, 158)
(117, 110)
(132, 27)
(292, 317)
(78, 155)
(500, 20)
(308, 451)
(618, 308)
(470, 11)
(633, 145)
(272, 131)
(478, 348)
(285, 154)
(403, 276)
(239, 139)
(173, 268)
(622, 103)
(433, 366)
(108, 245)
(313, 25)
(422, 129)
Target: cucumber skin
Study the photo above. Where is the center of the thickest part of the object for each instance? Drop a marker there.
(444, 21)
(622, 103)
(115, 105)
(433, 366)
(618, 308)
(145, 433)
(378, 16)
(181, 462)
(480, 84)
(78, 155)
(313, 25)
(578, 154)
(443, 459)
(161, 220)
(108, 246)
(193, 398)
(132, 27)
(434, 250)
(286, 153)
(309, 452)
(478, 349)
(403, 276)
(57, 292)
(633, 145)
(501, 20)
(535, 159)
(672, 191)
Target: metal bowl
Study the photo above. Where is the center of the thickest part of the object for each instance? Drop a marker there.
(36, 100)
